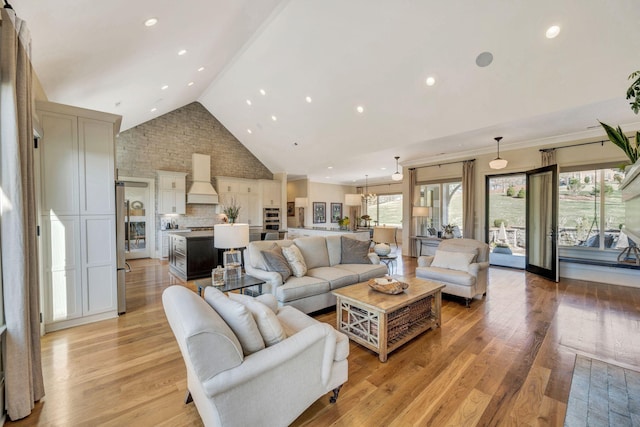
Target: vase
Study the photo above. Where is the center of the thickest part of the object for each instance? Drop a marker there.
(447, 235)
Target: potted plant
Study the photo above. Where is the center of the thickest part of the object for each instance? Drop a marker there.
(447, 231)
(343, 223)
(231, 210)
(615, 134)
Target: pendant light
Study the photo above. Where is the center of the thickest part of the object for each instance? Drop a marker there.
(498, 163)
(397, 176)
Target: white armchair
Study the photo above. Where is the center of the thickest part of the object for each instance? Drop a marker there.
(272, 386)
(461, 265)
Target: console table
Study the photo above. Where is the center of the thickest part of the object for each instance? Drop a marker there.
(429, 243)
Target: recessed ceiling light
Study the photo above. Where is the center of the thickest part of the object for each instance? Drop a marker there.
(383, 169)
(484, 59)
(274, 118)
(201, 69)
(248, 102)
(249, 131)
(154, 109)
(165, 87)
(327, 177)
(190, 84)
(308, 99)
(552, 31)
(360, 109)
(182, 52)
(150, 22)
(329, 167)
(431, 81)
(263, 92)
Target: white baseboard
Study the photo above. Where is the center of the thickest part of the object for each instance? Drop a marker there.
(598, 273)
(64, 324)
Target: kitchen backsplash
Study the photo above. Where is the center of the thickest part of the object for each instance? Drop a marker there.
(196, 216)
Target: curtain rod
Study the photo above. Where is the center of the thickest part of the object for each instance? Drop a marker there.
(578, 145)
(442, 164)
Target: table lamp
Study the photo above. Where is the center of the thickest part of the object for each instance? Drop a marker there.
(231, 236)
(421, 212)
(382, 236)
(301, 203)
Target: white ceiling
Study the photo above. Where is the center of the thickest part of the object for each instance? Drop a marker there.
(373, 53)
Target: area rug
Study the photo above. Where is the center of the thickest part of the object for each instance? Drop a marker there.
(603, 395)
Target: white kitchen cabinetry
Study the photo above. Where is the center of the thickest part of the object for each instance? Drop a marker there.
(246, 193)
(77, 195)
(172, 192)
(271, 193)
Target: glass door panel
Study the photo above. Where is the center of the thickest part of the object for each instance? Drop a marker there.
(137, 209)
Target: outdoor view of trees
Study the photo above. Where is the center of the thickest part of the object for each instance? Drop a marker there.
(386, 210)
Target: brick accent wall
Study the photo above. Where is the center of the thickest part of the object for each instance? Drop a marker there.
(167, 143)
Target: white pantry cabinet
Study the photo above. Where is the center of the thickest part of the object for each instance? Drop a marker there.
(246, 193)
(77, 207)
(172, 192)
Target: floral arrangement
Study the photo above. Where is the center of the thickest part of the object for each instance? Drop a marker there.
(344, 222)
(448, 228)
(231, 210)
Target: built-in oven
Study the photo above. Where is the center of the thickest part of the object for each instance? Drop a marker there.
(271, 219)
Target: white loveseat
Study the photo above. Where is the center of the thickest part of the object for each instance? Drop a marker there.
(268, 387)
(461, 265)
(326, 271)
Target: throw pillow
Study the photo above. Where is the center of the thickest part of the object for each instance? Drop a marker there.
(268, 324)
(275, 261)
(239, 319)
(267, 299)
(355, 251)
(453, 260)
(295, 259)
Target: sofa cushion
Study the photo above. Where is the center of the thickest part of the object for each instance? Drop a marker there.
(334, 247)
(446, 275)
(365, 271)
(296, 260)
(239, 319)
(301, 287)
(453, 260)
(355, 251)
(268, 324)
(314, 250)
(275, 261)
(270, 301)
(473, 251)
(336, 276)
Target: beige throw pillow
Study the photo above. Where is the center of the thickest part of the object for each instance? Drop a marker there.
(453, 260)
(268, 323)
(295, 260)
(239, 319)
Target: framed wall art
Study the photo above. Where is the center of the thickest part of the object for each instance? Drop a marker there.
(319, 212)
(336, 212)
(291, 206)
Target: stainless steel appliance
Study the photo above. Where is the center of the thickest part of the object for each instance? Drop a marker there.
(121, 218)
(271, 219)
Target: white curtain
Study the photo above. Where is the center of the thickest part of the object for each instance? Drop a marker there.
(18, 241)
(468, 198)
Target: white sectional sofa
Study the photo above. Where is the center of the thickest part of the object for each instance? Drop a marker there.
(330, 265)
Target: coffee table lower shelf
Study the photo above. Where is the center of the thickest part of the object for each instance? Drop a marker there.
(383, 323)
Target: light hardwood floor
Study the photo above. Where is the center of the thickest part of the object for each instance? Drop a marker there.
(507, 360)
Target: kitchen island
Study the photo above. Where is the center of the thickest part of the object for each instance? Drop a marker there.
(327, 231)
(192, 254)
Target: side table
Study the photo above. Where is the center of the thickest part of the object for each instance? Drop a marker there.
(390, 261)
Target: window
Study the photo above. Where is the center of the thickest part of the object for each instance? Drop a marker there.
(386, 209)
(591, 211)
(445, 200)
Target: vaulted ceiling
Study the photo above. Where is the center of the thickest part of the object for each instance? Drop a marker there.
(342, 55)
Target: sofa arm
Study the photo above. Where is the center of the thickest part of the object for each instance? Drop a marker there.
(319, 338)
(425, 260)
(272, 278)
(374, 258)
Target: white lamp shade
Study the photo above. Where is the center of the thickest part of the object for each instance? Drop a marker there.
(301, 202)
(420, 211)
(498, 163)
(352, 199)
(384, 234)
(230, 236)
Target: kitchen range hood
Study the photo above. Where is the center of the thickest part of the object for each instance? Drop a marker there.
(201, 191)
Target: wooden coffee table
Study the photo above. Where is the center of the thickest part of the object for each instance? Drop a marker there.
(383, 322)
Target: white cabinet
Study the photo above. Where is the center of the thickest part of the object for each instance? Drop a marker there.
(246, 193)
(172, 192)
(271, 193)
(77, 195)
